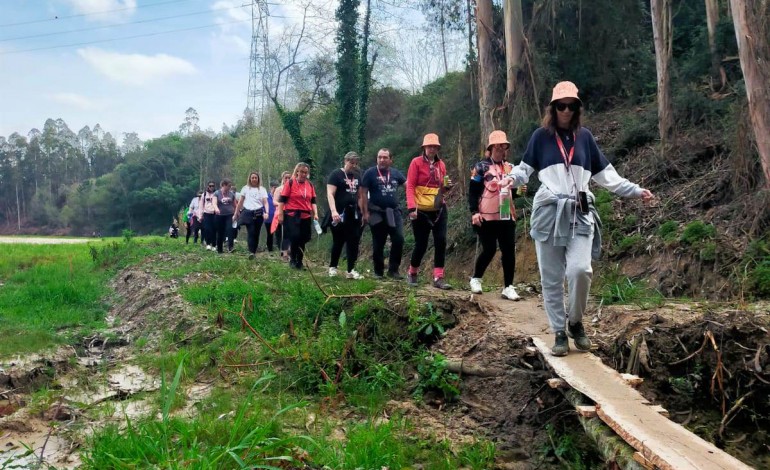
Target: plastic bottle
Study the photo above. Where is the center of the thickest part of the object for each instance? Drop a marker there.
(505, 204)
(317, 227)
(342, 219)
(446, 181)
(521, 191)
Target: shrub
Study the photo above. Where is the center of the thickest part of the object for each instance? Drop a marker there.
(708, 252)
(697, 231)
(630, 243)
(667, 230)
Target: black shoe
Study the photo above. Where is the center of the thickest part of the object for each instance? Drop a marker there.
(578, 335)
(561, 346)
(395, 276)
(378, 275)
(440, 283)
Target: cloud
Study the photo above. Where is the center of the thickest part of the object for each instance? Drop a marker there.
(77, 101)
(135, 69)
(104, 10)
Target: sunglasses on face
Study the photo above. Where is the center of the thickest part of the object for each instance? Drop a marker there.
(574, 106)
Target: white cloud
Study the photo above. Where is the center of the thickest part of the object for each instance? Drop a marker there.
(135, 69)
(77, 101)
(104, 10)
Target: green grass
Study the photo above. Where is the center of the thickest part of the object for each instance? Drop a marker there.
(46, 290)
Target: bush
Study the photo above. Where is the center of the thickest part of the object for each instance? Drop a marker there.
(667, 230)
(697, 231)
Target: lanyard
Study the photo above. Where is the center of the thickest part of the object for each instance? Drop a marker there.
(349, 182)
(382, 178)
(566, 157)
(433, 169)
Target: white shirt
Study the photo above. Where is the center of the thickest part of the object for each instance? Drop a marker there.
(253, 197)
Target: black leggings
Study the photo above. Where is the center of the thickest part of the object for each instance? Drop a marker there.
(252, 233)
(422, 226)
(224, 229)
(491, 233)
(209, 229)
(298, 232)
(347, 233)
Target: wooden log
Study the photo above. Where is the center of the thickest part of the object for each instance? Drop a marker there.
(632, 380)
(586, 411)
(611, 447)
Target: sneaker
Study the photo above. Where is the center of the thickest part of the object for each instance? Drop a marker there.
(439, 283)
(395, 276)
(332, 272)
(411, 279)
(476, 285)
(353, 274)
(209, 247)
(510, 293)
(578, 335)
(251, 256)
(378, 275)
(561, 346)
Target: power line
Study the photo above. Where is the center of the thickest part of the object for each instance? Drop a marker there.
(150, 20)
(80, 15)
(121, 39)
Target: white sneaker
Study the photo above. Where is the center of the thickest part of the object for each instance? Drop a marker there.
(476, 285)
(354, 275)
(209, 247)
(332, 272)
(510, 293)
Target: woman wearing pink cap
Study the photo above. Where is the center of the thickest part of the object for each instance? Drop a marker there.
(565, 224)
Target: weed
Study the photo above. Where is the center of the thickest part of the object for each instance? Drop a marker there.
(667, 230)
(708, 252)
(128, 235)
(434, 376)
(427, 325)
(616, 288)
(697, 231)
(630, 243)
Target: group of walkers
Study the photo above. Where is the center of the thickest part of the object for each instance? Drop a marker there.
(565, 225)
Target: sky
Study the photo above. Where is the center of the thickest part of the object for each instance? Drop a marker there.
(138, 65)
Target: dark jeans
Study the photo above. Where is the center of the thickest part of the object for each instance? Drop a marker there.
(346, 233)
(492, 233)
(195, 228)
(210, 229)
(297, 231)
(224, 229)
(252, 233)
(380, 233)
(422, 226)
(269, 235)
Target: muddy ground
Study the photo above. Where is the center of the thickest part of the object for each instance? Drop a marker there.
(503, 393)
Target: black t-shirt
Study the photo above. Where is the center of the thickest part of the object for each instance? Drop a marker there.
(346, 195)
(383, 186)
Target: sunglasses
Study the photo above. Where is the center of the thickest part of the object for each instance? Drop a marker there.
(574, 106)
(212, 186)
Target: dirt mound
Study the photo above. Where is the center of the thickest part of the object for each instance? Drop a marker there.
(149, 307)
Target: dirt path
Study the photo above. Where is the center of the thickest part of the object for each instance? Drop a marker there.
(45, 240)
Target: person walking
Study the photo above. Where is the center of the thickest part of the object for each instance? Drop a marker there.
(347, 207)
(283, 241)
(565, 224)
(251, 210)
(208, 210)
(225, 197)
(381, 182)
(296, 210)
(492, 215)
(270, 216)
(426, 183)
(195, 221)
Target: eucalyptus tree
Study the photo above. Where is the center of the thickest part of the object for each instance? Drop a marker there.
(662, 31)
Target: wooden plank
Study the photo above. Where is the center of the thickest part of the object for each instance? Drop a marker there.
(632, 380)
(586, 411)
(660, 410)
(639, 458)
(664, 443)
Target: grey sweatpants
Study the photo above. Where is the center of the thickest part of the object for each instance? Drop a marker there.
(573, 262)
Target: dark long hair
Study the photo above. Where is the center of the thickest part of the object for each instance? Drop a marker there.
(550, 120)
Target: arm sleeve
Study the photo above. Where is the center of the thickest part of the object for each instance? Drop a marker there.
(475, 188)
(607, 176)
(411, 183)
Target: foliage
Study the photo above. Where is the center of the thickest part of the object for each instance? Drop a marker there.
(435, 377)
(615, 288)
(697, 231)
(668, 230)
(571, 447)
(348, 74)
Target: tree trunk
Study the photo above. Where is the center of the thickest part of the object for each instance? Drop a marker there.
(712, 18)
(751, 32)
(514, 44)
(486, 78)
(443, 39)
(471, 55)
(662, 35)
